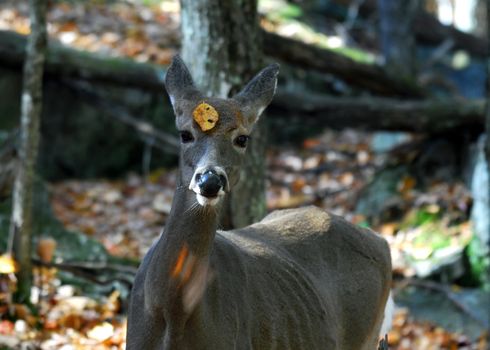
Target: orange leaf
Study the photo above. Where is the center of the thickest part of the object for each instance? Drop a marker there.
(67, 27)
(311, 143)
(205, 116)
(45, 249)
(298, 185)
(406, 184)
(6, 327)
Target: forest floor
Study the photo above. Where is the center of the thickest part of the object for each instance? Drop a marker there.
(128, 214)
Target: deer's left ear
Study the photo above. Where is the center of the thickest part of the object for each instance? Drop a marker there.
(258, 93)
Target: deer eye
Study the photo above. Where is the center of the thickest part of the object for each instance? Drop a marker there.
(186, 137)
(241, 141)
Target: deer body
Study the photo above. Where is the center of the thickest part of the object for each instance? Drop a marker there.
(299, 279)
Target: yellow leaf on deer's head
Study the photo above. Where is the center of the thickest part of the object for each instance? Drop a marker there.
(206, 116)
(7, 264)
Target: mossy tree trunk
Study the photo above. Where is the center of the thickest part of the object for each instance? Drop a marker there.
(21, 221)
(221, 46)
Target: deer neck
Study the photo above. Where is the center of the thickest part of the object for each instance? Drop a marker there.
(190, 224)
(189, 231)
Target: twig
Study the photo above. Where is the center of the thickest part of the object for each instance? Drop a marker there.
(439, 53)
(160, 139)
(94, 266)
(88, 271)
(352, 14)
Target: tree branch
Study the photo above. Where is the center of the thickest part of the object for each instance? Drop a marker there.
(65, 62)
(373, 113)
(371, 77)
(166, 142)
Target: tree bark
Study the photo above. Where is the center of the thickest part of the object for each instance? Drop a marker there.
(396, 36)
(487, 143)
(21, 221)
(374, 113)
(220, 45)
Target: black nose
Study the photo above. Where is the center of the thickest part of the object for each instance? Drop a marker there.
(210, 183)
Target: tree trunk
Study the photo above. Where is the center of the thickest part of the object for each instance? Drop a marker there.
(396, 34)
(487, 144)
(220, 45)
(21, 221)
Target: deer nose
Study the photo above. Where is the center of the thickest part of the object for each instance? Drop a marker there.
(210, 183)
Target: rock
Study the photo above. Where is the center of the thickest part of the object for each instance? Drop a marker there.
(385, 141)
(426, 304)
(381, 196)
(445, 265)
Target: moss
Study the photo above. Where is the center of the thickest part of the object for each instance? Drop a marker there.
(479, 260)
(432, 236)
(355, 54)
(419, 217)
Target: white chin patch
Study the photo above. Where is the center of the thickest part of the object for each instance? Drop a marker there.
(205, 201)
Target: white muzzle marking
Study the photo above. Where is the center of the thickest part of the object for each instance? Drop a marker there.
(193, 186)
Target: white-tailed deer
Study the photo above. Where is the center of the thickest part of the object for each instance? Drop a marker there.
(298, 279)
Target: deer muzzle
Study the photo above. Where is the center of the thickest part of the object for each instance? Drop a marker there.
(209, 184)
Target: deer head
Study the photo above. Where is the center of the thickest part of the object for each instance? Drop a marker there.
(215, 132)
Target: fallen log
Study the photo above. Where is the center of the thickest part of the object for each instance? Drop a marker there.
(368, 113)
(64, 62)
(371, 77)
(375, 113)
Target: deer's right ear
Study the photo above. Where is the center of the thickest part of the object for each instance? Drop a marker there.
(179, 83)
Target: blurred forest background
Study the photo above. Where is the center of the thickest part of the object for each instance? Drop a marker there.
(379, 116)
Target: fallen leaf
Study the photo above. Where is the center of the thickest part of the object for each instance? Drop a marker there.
(6, 327)
(101, 332)
(7, 264)
(205, 116)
